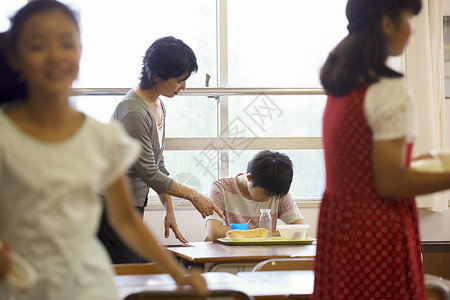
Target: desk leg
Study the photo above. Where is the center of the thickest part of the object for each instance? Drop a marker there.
(200, 267)
(188, 265)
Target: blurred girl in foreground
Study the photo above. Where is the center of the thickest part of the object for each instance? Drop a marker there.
(53, 160)
(368, 243)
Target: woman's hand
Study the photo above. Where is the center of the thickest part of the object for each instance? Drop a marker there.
(169, 219)
(205, 206)
(171, 223)
(5, 261)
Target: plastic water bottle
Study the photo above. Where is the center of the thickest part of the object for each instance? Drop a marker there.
(265, 220)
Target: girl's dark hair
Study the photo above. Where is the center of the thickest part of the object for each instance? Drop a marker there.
(12, 84)
(271, 171)
(166, 58)
(360, 58)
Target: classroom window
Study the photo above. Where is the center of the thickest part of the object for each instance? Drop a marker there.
(239, 44)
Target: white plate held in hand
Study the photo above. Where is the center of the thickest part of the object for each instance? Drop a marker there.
(432, 165)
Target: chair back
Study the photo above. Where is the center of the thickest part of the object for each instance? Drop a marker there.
(285, 264)
(189, 295)
(144, 268)
(437, 290)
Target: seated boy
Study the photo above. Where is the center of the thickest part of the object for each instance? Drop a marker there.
(240, 198)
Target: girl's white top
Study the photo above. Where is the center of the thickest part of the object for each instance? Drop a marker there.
(389, 110)
(49, 210)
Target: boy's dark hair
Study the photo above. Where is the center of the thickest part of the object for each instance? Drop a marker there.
(271, 171)
(12, 84)
(360, 58)
(166, 58)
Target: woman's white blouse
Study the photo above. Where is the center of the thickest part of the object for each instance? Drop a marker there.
(389, 110)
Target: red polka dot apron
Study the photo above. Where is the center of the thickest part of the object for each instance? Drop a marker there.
(368, 247)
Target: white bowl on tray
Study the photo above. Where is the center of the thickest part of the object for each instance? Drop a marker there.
(293, 231)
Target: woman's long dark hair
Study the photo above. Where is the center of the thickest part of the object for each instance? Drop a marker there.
(12, 84)
(360, 58)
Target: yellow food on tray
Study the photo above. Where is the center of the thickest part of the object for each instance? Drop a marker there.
(245, 234)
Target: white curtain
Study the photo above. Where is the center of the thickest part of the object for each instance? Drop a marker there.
(423, 65)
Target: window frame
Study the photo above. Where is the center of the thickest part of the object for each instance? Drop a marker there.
(220, 95)
(223, 140)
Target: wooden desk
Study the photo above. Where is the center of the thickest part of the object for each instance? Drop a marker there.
(216, 256)
(436, 256)
(128, 284)
(293, 282)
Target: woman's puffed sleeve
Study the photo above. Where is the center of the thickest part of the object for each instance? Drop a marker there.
(122, 153)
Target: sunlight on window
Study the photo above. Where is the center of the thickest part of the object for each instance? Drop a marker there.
(282, 43)
(278, 116)
(116, 34)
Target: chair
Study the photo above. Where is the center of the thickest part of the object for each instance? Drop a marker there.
(232, 268)
(285, 264)
(189, 295)
(437, 290)
(144, 268)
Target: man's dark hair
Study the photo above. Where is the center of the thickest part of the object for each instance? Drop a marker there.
(271, 171)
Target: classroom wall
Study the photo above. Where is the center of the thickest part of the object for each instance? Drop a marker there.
(434, 226)
(446, 13)
(447, 53)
